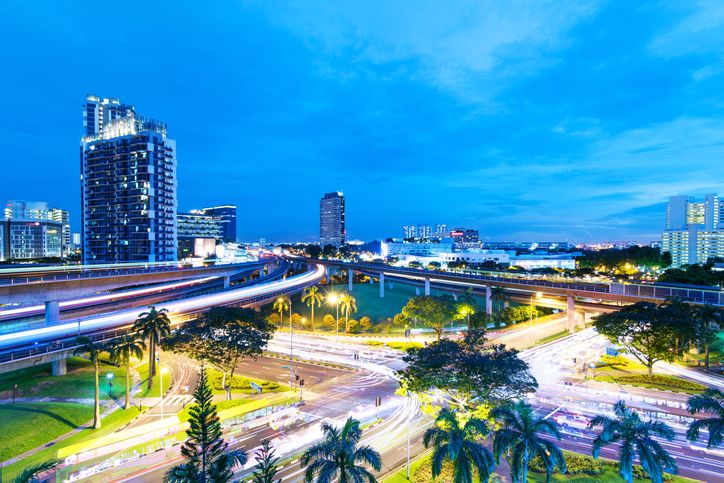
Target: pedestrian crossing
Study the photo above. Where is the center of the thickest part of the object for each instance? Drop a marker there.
(180, 400)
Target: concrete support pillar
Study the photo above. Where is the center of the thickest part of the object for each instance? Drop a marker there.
(455, 296)
(427, 286)
(571, 314)
(581, 316)
(59, 367)
(372, 281)
(52, 311)
(417, 291)
(350, 279)
(382, 285)
(227, 282)
(488, 300)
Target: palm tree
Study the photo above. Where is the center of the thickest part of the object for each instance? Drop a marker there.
(339, 455)
(93, 350)
(311, 297)
(500, 296)
(281, 304)
(348, 304)
(710, 401)
(459, 444)
(520, 437)
(468, 298)
(121, 351)
(152, 326)
(30, 475)
(634, 436)
(709, 322)
(267, 466)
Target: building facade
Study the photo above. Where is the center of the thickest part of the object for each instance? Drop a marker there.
(128, 186)
(32, 230)
(694, 229)
(227, 216)
(332, 220)
(198, 234)
(63, 217)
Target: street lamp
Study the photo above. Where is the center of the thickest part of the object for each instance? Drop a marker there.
(109, 376)
(536, 295)
(334, 299)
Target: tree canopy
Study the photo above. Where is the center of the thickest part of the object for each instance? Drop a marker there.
(470, 372)
(432, 311)
(222, 337)
(647, 331)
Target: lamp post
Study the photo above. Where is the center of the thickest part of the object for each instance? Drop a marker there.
(536, 295)
(291, 349)
(109, 376)
(334, 299)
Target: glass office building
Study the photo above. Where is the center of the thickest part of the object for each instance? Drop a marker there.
(332, 220)
(128, 186)
(227, 215)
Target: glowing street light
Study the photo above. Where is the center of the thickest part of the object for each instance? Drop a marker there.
(109, 376)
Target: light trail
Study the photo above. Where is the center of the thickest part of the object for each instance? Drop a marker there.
(176, 308)
(82, 302)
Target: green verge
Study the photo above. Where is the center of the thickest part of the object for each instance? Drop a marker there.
(581, 469)
(241, 384)
(552, 337)
(656, 381)
(77, 383)
(114, 421)
(25, 426)
(142, 370)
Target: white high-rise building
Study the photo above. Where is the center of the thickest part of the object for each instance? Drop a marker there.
(694, 229)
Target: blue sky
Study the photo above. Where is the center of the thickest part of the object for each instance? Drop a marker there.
(528, 120)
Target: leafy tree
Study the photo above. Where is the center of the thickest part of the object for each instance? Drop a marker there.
(480, 321)
(709, 321)
(433, 311)
(348, 306)
(500, 297)
(645, 330)
(208, 457)
(469, 371)
(273, 318)
(516, 315)
(622, 260)
(458, 444)
(328, 250)
(464, 311)
(312, 297)
(32, 474)
(93, 350)
(121, 351)
(267, 465)
(152, 326)
(222, 337)
(634, 437)
(328, 320)
(296, 320)
(313, 251)
(281, 304)
(339, 456)
(365, 323)
(710, 401)
(522, 437)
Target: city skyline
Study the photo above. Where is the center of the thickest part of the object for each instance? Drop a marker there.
(611, 110)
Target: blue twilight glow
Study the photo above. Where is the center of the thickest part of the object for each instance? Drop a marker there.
(527, 120)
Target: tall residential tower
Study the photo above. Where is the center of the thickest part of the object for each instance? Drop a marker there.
(332, 220)
(694, 229)
(128, 186)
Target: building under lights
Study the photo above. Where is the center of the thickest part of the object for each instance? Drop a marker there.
(128, 185)
(694, 229)
(198, 234)
(31, 230)
(332, 219)
(226, 214)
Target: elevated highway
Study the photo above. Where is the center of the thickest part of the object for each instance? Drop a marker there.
(572, 291)
(55, 343)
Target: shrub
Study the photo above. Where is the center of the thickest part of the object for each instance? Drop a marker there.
(577, 465)
(664, 382)
(238, 382)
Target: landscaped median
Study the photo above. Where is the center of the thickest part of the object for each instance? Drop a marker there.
(581, 469)
(624, 371)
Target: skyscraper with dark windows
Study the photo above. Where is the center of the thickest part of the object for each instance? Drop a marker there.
(332, 219)
(128, 186)
(227, 215)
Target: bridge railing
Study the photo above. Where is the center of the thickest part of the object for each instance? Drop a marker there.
(107, 272)
(697, 295)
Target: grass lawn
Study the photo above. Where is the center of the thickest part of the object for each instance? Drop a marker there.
(400, 346)
(241, 384)
(77, 383)
(142, 370)
(621, 370)
(111, 423)
(25, 426)
(552, 337)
